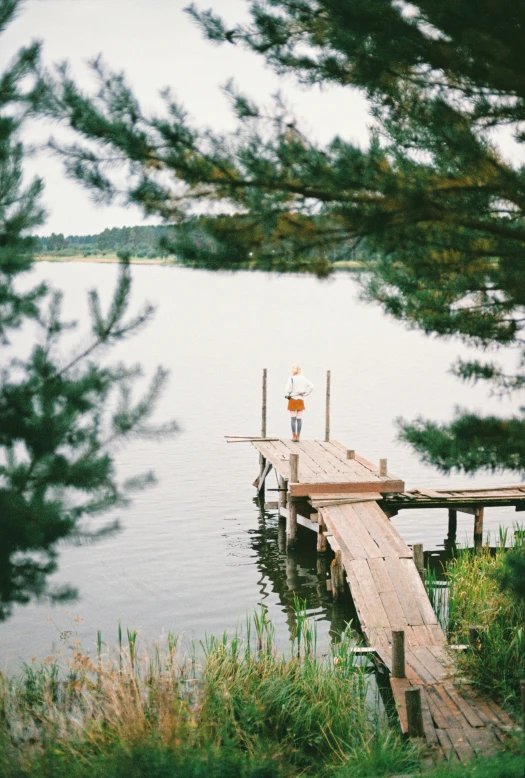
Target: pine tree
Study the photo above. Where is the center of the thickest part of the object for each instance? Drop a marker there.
(59, 414)
(438, 208)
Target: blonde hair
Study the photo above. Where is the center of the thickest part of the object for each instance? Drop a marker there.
(296, 368)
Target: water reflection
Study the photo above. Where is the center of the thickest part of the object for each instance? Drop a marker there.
(302, 573)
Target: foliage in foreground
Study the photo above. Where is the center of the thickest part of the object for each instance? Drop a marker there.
(477, 597)
(437, 206)
(240, 710)
(62, 410)
(505, 765)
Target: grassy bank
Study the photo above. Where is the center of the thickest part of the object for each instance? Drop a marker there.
(241, 709)
(475, 597)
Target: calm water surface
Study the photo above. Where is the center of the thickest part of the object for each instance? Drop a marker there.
(196, 554)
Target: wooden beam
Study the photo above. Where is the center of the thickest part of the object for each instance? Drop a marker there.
(346, 487)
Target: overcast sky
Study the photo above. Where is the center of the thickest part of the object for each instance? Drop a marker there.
(158, 45)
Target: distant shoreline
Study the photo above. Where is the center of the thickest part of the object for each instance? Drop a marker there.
(348, 265)
(105, 260)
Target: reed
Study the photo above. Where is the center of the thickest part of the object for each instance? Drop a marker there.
(475, 597)
(237, 707)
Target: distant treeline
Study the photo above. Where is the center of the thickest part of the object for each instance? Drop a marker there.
(139, 241)
(196, 242)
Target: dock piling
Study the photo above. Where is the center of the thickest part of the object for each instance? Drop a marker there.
(336, 576)
(414, 712)
(291, 519)
(350, 453)
(327, 416)
(264, 403)
(398, 653)
(478, 527)
(383, 467)
(419, 560)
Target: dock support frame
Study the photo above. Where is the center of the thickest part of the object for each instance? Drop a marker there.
(291, 518)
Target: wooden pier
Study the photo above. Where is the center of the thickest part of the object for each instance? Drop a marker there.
(347, 501)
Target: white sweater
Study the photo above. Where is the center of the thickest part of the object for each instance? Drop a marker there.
(298, 386)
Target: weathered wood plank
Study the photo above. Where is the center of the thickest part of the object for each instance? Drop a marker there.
(341, 487)
(368, 589)
(379, 572)
(406, 598)
(350, 525)
(399, 687)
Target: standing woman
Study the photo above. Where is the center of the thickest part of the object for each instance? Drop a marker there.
(297, 388)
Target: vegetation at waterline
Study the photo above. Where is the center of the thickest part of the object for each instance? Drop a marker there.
(480, 594)
(235, 708)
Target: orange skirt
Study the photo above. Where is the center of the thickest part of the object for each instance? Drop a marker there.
(295, 404)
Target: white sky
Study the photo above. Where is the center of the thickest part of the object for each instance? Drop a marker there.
(158, 45)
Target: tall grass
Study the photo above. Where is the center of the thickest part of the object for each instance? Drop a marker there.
(235, 708)
(475, 597)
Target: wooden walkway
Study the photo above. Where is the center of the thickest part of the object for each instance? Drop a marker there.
(389, 594)
(338, 493)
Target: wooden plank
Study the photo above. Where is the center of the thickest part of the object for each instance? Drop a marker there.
(430, 662)
(368, 590)
(365, 615)
(461, 745)
(428, 724)
(350, 525)
(413, 579)
(343, 487)
(326, 462)
(392, 606)
(349, 552)
(467, 710)
(446, 744)
(382, 531)
(333, 499)
(304, 522)
(308, 470)
(385, 654)
(405, 596)
(438, 636)
(399, 687)
(412, 659)
(332, 542)
(353, 469)
(379, 572)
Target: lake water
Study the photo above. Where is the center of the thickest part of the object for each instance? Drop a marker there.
(195, 554)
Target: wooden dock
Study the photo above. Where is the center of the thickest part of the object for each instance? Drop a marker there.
(345, 499)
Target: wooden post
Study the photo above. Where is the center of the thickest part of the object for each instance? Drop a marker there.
(522, 689)
(478, 528)
(417, 552)
(474, 635)
(383, 467)
(264, 393)
(336, 576)
(291, 520)
(414, 712)
(283, 486)
(350, 453)
(322, 543)
(398, 653)
(327, 419)
(452, 523)
(452, 528)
